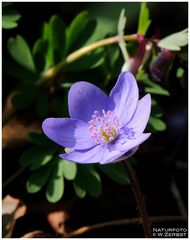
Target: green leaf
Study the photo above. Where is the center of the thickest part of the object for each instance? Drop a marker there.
(144, 19)
(157, 124)
(175, 41)
(41, 140)
(37, 157)
(156, 89)
(180, 72)
(122, 44)
(20, 52)
(55, 187)
(92, 180)
(87, 180)
(79, 188)
(90, 61)
(69, 169)
(116, 172)
(38, 178)
(156, 109)
(150, 86)
(15, 70)
(9, 18)
(57, 40)
(38, 51)
(76, 27)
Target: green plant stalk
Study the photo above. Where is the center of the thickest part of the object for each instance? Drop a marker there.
(53, 71)
(139, 198)
(48, 77)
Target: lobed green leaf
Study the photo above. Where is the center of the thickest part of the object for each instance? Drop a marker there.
(20, 52)
(38, 178)
(116, 172)
(55, 186)
(9, 18)
(175, 41)
(144, 19)
(36, 157)
(69, 169)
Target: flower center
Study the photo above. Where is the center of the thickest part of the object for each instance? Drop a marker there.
(105, 128)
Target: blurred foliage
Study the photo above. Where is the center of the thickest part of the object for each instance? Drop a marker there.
(144, 19)
(30, 64)
(9, 16)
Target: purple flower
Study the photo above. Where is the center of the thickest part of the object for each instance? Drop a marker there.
(102, 128)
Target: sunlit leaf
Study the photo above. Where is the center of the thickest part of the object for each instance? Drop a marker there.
(116, 172)
(37, 157)
(76, 27)
(121, 26)
(69, 169)
(144, 19)
(57, 39)
(55, 186)
(9, 18)
(175, 41)
(20, 52)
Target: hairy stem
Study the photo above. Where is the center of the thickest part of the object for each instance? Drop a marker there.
(139, 199)
(120, 222)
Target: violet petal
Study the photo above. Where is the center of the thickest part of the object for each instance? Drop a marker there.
(142, 114)
(84, 98)
(125, 97)
(68, 132)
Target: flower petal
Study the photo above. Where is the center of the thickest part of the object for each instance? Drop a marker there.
(125, 97)
(99, 154)
(67, 132)
(142, 114)
(84, 98)
(124, 143)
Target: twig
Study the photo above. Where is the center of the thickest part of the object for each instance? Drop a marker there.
(139, 199)
(178, 198)
(13, 177)
(132, 221)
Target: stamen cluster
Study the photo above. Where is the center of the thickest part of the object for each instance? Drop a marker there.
(104, 128)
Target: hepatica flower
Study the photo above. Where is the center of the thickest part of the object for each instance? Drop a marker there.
(101, 129)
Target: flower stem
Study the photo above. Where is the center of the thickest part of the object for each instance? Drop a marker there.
(139, 198)
(50, 73)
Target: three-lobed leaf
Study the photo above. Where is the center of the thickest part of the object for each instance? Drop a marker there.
(10, 18)
(116, 172)
(20, 52)
(38, 178)
(144, 19)
(55, 185)
(36, 157)
(175, 41)
(69, 169)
